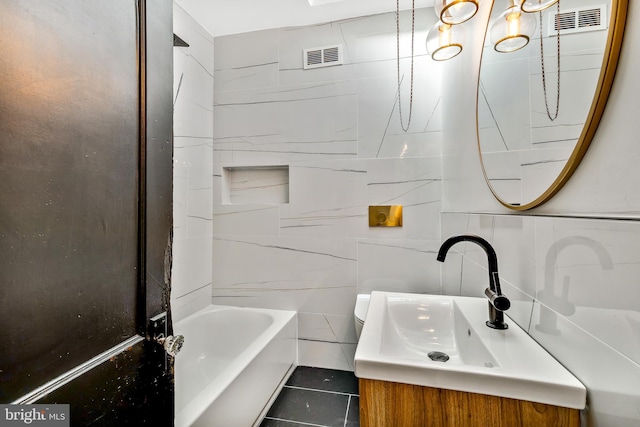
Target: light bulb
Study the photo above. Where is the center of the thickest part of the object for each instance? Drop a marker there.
(444, 41)
(512, 30)
(444, 35)
(513, 23)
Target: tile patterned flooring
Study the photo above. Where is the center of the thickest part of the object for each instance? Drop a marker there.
(316, 397)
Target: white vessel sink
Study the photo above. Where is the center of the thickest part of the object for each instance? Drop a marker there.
(402, 331)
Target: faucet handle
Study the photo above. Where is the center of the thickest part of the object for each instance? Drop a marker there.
(497, 304)
(500, 302)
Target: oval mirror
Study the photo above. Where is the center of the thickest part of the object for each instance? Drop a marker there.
(528, 149)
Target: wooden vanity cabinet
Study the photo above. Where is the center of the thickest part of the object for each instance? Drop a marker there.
(389, 404)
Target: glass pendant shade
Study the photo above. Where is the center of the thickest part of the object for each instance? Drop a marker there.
(455, 12)
(536, 5)
(512, 30)
(444, 41)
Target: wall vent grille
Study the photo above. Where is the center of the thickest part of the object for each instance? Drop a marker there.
(322, 57)
(592, 18)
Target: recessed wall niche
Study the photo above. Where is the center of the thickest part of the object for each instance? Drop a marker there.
(255, 185)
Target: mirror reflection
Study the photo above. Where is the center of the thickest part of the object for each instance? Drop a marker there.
(530, 122)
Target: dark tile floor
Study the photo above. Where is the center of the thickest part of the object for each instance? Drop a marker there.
(316, 397)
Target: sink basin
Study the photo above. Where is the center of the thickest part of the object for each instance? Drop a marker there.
(406, 338)
(433, 326)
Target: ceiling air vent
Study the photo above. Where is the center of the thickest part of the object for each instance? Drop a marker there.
(322, 57)
(591, 18)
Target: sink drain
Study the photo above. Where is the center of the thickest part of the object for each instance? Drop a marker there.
(438, 356)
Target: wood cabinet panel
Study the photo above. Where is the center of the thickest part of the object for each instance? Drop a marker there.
(388, 404)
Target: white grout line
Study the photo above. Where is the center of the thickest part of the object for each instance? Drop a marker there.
(295, 422)
(323, 391)
(346, 416)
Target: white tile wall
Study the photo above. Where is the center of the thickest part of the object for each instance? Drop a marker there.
(193, 167)
(247, 61)
(575, 279)
(610, 377)
(338, 130)
(398, 266)
(291, 273)
(574, 285)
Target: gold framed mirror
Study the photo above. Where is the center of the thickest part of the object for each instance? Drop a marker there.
(527, 154)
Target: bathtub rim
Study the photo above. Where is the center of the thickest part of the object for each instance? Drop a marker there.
(192, 410)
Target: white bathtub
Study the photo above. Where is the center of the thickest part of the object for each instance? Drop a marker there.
(232, 363)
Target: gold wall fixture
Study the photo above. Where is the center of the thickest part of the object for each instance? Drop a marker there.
(385, 216)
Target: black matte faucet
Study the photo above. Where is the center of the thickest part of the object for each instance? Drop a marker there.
(498, 303)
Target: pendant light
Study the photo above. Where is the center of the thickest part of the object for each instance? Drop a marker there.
(444, 41)
(536, 5)
(455, 12)
(513, 29)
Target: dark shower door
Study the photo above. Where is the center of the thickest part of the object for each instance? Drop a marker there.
(85, 206)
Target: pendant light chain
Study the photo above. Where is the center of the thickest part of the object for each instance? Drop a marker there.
(544, 80)
(413, 20)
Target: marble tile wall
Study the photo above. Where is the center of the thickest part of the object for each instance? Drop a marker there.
(193, 166)
(572, 280)
(574, 288)
(571, 265)
(337, 129)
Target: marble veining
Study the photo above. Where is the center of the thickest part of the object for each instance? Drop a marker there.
(337, 129)
(285, 248)
(193, 167)
(568, 279)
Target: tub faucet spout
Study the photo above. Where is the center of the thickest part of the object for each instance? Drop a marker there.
(498, 303)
